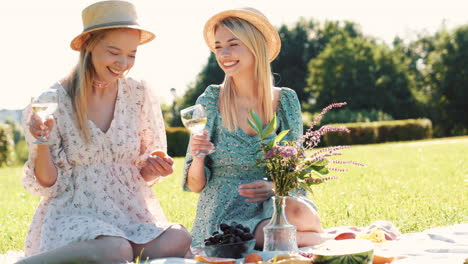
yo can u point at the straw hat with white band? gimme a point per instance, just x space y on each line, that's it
106 15
254 17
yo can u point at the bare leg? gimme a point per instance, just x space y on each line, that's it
104 249
174 242
258 234
302 215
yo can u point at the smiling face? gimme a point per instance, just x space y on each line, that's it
115 54
232 55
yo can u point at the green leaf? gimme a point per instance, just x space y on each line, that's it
321 169
270 144
306 187
320 163
256 118
270 128
279 137
304 172
252 125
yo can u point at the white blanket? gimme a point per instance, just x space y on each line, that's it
441 245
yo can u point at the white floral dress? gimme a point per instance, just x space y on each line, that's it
99 188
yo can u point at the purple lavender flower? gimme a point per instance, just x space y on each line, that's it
287 151
324 111
273 151
312 137
347 162
284 151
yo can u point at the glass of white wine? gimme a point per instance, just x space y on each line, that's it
194 118
44 106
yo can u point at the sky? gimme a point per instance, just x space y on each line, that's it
35 35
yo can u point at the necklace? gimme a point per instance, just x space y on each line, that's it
100 84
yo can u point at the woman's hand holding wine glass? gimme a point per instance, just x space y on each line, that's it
194 118
41 122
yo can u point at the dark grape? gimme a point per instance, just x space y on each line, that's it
229 230
223 227
237 231
244 237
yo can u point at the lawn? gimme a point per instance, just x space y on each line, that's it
416 185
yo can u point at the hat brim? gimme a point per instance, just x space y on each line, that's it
270 34
77 43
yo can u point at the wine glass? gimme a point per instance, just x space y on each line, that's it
194 118
44 105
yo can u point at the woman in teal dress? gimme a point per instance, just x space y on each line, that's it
232 187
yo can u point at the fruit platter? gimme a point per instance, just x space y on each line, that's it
235 244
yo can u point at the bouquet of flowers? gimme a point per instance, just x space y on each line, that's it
288 163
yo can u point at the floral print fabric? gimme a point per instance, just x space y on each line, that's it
99 189
233 164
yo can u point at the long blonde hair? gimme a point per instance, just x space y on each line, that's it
79 83
254 40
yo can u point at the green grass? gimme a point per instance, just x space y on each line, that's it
416 185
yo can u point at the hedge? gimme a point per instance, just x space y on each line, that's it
177 141
7 146
378 132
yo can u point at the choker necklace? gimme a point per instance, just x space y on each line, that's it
99 84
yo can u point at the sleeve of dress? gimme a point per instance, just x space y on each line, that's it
59 158
291 118
152 129
209 100
290 114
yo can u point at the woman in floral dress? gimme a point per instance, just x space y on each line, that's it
95 179
232 187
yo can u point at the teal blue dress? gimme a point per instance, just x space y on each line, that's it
233 164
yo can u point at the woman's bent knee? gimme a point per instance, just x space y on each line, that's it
180 241
117 249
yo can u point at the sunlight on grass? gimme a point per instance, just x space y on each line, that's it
415 185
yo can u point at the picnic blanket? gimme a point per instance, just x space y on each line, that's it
441 245
445 245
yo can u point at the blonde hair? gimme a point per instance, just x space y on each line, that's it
254 40
79 83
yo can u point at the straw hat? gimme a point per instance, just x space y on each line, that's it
254 17
109 14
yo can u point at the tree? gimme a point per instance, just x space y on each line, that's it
447 81
362 73
290 67
300 43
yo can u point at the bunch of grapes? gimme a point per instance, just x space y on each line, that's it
233 236
229 234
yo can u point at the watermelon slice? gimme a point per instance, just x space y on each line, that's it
349 251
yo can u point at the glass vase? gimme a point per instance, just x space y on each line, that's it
279 234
